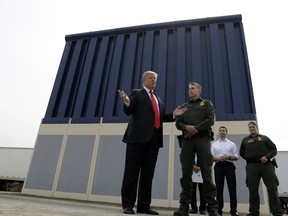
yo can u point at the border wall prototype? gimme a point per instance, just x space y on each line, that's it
78 152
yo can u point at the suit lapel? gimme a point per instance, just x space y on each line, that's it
147 97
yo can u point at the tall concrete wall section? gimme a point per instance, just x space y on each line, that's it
281 159
14 163
78 151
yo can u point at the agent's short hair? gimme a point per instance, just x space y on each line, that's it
223 127
196 84
253 123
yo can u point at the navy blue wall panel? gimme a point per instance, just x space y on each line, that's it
210 51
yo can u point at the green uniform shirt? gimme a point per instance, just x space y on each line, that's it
253 148
200 113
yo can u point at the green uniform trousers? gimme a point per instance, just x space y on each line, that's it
254 172
199 145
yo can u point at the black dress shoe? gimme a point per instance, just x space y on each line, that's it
147 211
214 212
193 211
128 211
181 212
203 212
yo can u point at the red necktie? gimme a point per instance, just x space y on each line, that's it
156 111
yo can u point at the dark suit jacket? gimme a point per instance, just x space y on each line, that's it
141 125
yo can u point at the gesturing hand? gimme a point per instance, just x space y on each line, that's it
123 96
179 111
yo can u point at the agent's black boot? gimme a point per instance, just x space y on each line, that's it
182 211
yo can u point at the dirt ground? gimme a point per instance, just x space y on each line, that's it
17 204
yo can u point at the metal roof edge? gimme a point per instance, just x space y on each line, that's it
146 27
16 147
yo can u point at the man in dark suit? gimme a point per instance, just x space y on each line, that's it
144 137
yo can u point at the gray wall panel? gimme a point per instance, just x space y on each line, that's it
44 162
160 181
109 167
177 170
76 164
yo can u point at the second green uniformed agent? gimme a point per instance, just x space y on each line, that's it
257 150
195 125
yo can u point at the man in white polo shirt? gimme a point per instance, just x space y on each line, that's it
224 153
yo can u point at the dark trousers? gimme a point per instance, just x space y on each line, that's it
202 206
226 170
201 146
139 170
254 172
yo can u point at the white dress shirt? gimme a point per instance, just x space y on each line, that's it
224 147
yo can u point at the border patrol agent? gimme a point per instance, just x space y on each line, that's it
258 150
195 125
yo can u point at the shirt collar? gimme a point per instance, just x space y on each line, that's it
223 139
147 90
197 100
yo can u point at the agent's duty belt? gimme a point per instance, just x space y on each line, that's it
255 161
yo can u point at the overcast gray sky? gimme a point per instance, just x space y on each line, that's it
32 39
